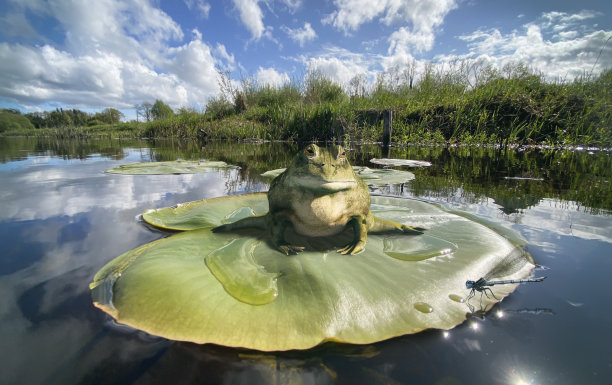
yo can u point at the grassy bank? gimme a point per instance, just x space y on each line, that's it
518 107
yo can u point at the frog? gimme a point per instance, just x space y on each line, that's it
319 195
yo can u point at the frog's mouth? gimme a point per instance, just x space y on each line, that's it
338 185
325 186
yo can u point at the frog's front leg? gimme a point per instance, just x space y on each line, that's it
360 231
276 224
380 225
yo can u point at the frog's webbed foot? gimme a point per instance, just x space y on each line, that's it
412 229
380 225
353 247
290 249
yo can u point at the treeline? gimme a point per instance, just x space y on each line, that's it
14 120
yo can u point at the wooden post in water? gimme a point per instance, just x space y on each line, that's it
387 123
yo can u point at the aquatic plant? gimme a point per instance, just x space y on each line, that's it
235 289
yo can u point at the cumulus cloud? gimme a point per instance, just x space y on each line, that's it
301 35
251 16
114 54
271 77
423 17
341 65
556 44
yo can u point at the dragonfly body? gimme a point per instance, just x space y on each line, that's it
482 285
478 285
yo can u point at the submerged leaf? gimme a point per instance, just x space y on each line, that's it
235 289
372 176
169 168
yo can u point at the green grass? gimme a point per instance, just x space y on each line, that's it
443 107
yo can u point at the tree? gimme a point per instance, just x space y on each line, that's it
358 85
144 110
161 110
37 119
113 116
58 118
107 115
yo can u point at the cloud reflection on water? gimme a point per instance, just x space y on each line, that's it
62 221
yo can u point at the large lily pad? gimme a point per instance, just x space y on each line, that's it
170 167
234 289
372 176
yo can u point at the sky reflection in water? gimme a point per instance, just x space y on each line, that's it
64 218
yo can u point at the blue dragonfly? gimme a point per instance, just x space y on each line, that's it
512 263
482 285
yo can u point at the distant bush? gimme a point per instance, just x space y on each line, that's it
13 120
95 122
219 107
320 89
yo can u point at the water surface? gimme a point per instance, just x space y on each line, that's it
62 218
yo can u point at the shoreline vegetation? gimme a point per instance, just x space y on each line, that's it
459 105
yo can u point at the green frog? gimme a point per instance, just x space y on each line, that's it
319 195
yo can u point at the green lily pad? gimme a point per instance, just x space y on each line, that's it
234 289
206 213
169 168
400 162
372 176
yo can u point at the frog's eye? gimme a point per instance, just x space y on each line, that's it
342 154
309 151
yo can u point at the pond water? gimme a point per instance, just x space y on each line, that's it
62 218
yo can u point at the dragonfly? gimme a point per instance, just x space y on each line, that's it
512 263
482 285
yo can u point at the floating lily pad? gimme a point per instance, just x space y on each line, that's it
206 213
168 168
400 162
372 176
234 289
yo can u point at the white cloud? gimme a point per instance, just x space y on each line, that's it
271 77
292 5
351 14
114 55
251 16
340 65
422 17
554 45
563 20
301 35
401 40
201 6
222 53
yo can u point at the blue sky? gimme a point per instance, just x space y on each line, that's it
96 54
